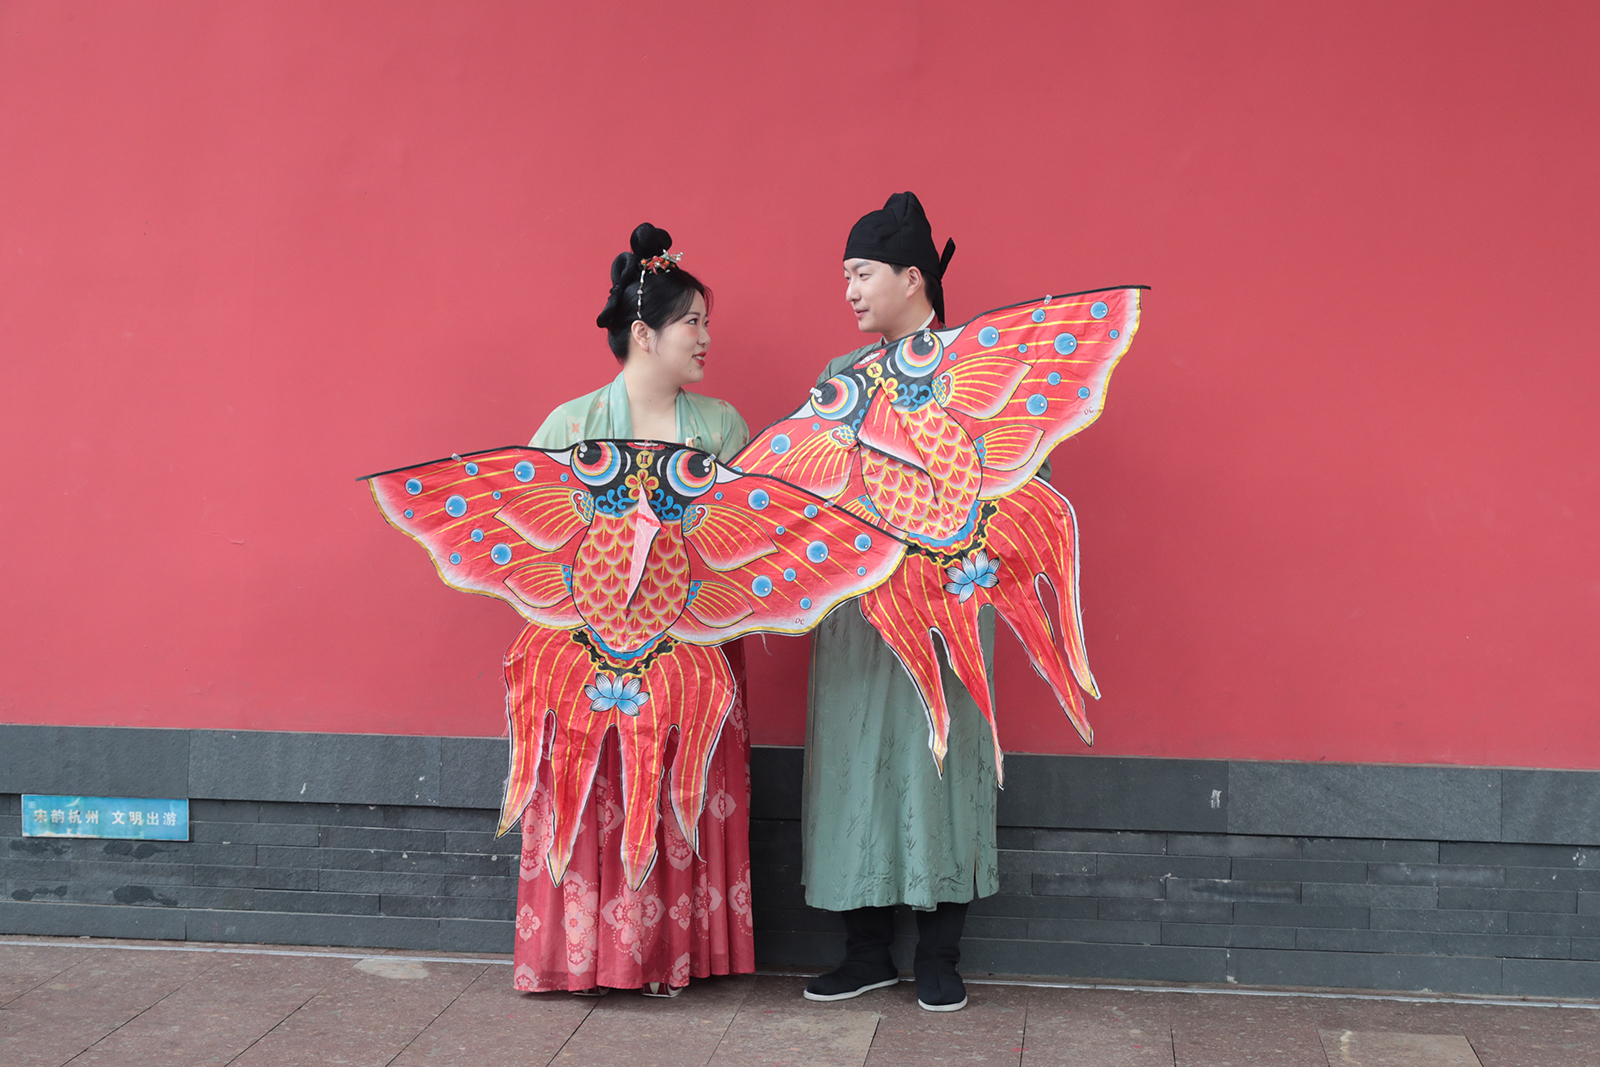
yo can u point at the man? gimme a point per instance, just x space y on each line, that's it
880 827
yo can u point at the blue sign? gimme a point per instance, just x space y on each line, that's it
160 820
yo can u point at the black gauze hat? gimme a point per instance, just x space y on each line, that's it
899 234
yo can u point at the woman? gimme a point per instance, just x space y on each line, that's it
692 915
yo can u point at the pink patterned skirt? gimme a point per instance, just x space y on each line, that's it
690 919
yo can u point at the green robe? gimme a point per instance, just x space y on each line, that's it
878 824
704 422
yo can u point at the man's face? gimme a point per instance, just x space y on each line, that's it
883 301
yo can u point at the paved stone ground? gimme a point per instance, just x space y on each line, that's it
131 1004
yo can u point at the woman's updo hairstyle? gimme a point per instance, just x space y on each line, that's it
668 290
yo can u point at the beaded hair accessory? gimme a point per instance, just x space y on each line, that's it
655 265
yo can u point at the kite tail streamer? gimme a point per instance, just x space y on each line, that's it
526 719
908 611
558 692
1030 537
1036 525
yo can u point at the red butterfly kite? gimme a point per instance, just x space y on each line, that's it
936 439
631 561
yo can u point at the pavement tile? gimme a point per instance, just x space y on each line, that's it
1349 1048
1097 1028
493 1025
77 1007
216 1015
1534 1037
794 1037
627 1029
362 1018
191 1009
22 967
1224 1031
989 1030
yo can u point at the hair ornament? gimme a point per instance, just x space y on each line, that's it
665 261
655 265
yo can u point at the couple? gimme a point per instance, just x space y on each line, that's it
880 827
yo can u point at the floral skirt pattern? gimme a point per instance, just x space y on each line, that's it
691 918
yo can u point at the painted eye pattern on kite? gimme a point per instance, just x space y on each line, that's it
690 472
836 398
597 463
918 354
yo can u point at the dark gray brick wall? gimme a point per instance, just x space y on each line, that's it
1067 909
1463 879
277 871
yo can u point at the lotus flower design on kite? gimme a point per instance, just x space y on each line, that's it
631 562
974 572
936 438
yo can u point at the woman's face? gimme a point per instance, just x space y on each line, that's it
678 349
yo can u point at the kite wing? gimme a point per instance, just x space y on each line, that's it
1016 381
500 523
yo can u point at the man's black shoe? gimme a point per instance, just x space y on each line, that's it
939 987
852 979
867 964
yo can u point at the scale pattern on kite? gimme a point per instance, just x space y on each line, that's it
937 438
626 557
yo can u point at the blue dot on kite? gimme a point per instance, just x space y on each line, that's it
477 535
863 542
759 499
816 552
524 472
455 557
788 574
861 571
1115 335
805 602
456 506
497 494
1065 343
1083 391
811 511
563 477
816 425
1037 404
1098 309
780 444
988 336
410 514
1022 348
782 530
501 554
472 468
1038 314
1053 378
761 586
413 486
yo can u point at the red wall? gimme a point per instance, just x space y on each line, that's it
1342 504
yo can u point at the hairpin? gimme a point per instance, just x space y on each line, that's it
655 264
